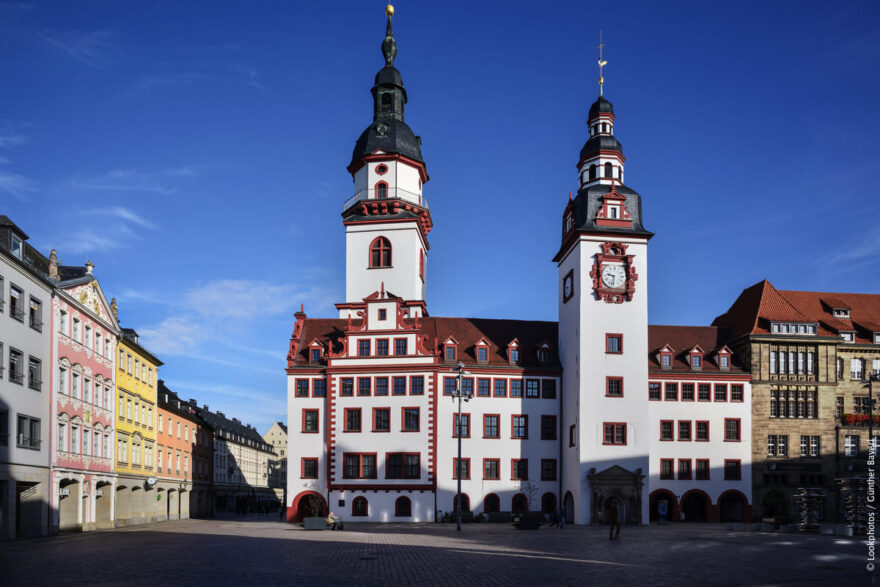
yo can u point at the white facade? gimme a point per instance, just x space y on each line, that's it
25 394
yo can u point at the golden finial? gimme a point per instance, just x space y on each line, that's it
389 10
602 63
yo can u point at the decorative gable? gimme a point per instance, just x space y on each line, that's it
723 357
450 349
664 356
481 350
695 358
613 210
513 352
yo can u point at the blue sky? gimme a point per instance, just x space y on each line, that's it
196 153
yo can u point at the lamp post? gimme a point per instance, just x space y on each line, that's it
459 395
871 379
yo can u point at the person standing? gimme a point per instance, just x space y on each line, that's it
612 513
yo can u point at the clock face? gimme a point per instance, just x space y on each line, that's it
568 286
613 276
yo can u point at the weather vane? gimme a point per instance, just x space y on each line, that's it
602 63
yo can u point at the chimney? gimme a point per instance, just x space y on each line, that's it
220 415
193 403
205 407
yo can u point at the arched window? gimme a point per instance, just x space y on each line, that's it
403 507
491 503
380 252
465 503
359 507
548 503
592 172
382 190
387 102
609 170
519 504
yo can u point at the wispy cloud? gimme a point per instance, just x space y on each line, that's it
191 73
122 214
10 139
11 183
92 48
854 254
133 180
249 405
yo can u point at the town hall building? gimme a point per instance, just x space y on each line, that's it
597 408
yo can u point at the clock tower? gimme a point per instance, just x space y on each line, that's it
603 334
387 219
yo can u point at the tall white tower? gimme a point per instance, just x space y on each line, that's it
387 220
603 335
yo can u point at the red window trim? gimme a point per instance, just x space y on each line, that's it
555 469
469 424
506 386
403 418
374 419
411 387
455 468
691 356
739 421
697 391
358 347
681 392
544 383
366 509
296 387
526 416
498 429
672 429
513 468
660 383
303 430
448 345
671 468
302 471
690 474
666 354
715 389
608 380
395 347
738 469
325 387
357 391
708 470
361 456
378 169
376 244
477 353
497 469
742 394
609 335
690 427
625 439
422 265
555 426
665 383
708 430
376 346
512 347
345 412
403 464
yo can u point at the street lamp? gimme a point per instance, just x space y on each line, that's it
871 378
466 397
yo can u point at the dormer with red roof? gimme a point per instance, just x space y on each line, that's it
695 358
723 357
664 356
481 351
450 350
513 352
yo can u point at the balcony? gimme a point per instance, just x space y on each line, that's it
391 194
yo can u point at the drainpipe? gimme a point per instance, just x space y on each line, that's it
837 471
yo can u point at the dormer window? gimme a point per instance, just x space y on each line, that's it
696 362
544 354
315 355
841 312
848 336
482 354
613 211
877 338
513 352
665 357
569 221
514 355
450 351
724 362
383 314
17 247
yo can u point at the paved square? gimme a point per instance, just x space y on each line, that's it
261 552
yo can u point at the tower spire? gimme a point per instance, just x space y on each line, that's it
389 45
602 62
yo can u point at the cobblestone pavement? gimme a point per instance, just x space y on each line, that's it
251 551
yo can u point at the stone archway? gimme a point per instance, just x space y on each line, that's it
616 484
660 495
519 504
307 504
465 503
68 505
734 507
695 506
103 505
491 503
568 504
548 503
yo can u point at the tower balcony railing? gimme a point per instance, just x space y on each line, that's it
389 194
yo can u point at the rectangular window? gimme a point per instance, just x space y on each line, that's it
666 360
35 373
359 466
532 388
671 392
35 315
805 445
782 445
514 355
684 429
490 426
319 388
482 354
410 417
399 346
315 355
703 430
501 388
548 427
461 468
467 387
614 433
302 388
516 388
16 367
310 421
771 445
736 392
461 425
519 427
490 468
381 419
666 430
814 446
702 471
732 429
364 347
394 466
382 347
684 469
851 445
704 392
352 419
399 386
16 303
548 388
687 392
483 387
653 391
347 389
519 469
363 386
614 386
28 433
696 361
720 392
666 469
548 469
450 385
381 386
732 470
309 468
417 385
572 436
614 344
450 352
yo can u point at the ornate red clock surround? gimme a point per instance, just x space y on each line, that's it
614 252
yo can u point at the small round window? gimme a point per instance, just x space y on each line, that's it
381 169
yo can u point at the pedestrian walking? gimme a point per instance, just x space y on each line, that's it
612 513
561 518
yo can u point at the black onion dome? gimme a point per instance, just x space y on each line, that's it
598 143
600 106
389 135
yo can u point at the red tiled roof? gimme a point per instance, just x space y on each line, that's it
466 331
684 338
762 303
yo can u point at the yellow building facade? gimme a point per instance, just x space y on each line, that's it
137 374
